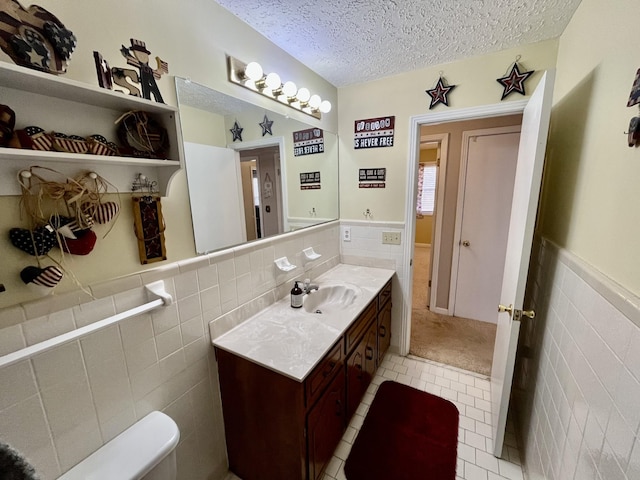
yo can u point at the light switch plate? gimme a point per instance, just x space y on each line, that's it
391 238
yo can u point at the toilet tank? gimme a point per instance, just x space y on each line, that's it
135 453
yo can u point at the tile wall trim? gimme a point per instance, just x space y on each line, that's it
18 313
624 300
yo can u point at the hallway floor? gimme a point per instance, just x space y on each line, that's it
456 341
469 391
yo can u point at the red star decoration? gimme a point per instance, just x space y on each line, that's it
514 82
439 93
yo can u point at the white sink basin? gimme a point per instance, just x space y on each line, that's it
330 298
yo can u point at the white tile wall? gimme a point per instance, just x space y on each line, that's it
59 406
579 375
366 248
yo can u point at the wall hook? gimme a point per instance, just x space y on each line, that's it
312 212
368 214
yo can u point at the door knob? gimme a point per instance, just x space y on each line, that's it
502 309
466 243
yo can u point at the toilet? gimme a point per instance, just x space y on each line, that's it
146 450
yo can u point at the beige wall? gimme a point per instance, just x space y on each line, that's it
590 200
404 96
193 37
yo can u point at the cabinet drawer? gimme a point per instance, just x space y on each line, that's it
324 372
385 295
357 329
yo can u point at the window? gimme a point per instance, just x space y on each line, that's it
426 188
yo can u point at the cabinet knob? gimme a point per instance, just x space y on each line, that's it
383 331
369 353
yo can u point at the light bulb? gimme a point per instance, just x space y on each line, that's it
303 95
254 71
325 106
315 101
273 81
289 89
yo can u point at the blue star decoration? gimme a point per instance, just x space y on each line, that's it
236 131
514 81
266 126
439 93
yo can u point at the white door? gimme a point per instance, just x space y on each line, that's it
533 140
486 189
215 195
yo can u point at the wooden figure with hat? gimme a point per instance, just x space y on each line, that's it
138 56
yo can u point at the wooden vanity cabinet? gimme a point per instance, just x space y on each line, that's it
278 428
384 321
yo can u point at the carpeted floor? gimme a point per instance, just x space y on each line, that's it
455 341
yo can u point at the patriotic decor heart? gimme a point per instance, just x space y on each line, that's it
69 143
82 245
98 145
37 242
102 212
46 277
41 280
34 138
65 226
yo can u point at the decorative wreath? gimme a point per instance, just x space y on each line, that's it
143 135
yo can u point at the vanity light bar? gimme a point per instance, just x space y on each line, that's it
251 76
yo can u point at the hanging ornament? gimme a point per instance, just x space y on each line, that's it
440 92
236 131
514 81
266 126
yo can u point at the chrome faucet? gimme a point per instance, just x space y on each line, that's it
308 286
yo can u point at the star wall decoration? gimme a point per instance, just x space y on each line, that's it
439 93
236 131
514 81
266 126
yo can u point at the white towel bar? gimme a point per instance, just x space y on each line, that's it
155 289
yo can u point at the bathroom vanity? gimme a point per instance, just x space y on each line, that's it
291 379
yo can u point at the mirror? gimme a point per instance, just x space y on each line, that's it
280 175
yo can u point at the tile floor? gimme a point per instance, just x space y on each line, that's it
469 391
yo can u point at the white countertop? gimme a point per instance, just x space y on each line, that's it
291 341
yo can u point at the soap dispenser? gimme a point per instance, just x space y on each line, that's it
296 296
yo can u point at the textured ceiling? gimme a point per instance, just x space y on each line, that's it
353 41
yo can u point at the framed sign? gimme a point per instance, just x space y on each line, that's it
308 142
372 178
374 132
310 181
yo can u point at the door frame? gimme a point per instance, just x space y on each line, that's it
462 185
263 143
434 262
417 121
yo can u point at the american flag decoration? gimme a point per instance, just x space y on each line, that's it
35 38
44 277
69 143
99 145
34 138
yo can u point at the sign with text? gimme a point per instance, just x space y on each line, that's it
308 142
310 181
372 177
374 132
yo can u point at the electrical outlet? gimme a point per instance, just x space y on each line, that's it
391 238
346 234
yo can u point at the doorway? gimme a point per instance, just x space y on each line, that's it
262 191
438 331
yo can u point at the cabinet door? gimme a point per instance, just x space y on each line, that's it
361 367
384 331
325 426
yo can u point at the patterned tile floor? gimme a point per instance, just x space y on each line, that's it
469 391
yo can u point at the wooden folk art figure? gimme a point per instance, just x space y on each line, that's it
149 228
137 56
